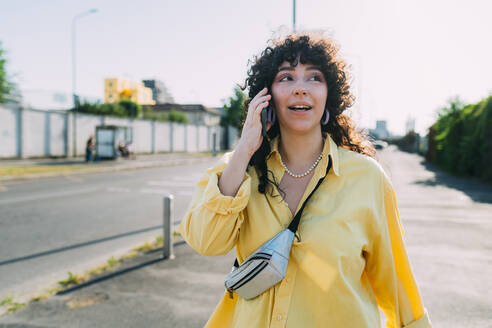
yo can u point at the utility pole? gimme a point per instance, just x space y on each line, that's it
294 15
74 78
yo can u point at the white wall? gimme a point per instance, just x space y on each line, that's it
8 132
142 136
162 137
202 138
36 133
191 139
58 130
33 133
178 137
108 120
218 133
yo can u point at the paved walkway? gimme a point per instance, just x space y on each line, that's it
183 292
171 293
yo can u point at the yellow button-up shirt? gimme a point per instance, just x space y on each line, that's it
349 260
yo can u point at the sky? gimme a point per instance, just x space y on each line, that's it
407 57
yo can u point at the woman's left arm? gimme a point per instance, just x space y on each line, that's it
389 270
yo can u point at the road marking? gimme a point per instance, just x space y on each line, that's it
193 178
167 183
155 191
47 196
73 179
118 189
409 218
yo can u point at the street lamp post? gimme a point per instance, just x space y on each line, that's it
74 77
294 15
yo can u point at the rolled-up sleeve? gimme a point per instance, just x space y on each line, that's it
389 270
212 221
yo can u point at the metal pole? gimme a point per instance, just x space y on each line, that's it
214 139
167 233
294 15
74 78
74 96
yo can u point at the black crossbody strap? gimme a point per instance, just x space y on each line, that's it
295 222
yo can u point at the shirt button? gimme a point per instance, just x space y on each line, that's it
279 317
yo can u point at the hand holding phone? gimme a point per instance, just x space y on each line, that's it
255 125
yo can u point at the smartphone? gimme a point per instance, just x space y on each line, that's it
264 119
264 122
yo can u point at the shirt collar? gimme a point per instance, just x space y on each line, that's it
330 148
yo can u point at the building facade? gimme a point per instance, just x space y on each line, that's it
160 93
381 131
116 89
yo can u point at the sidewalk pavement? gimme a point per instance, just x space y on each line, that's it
142 161
141 291
182 292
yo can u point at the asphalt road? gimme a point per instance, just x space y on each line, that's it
54 225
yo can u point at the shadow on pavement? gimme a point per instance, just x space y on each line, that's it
66 162
109 276
87 243
477 191
120 272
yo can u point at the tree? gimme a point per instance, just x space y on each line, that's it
124 108
178 117
6 87
172 116
132 109
234 114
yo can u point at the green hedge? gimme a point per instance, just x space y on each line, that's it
130 109
460 141
123 108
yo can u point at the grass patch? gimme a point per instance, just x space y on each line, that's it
7 301
74 279
17 171
144 247
11 305
159 241
112 262
16 307
150 246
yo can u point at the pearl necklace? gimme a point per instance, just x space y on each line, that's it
305 173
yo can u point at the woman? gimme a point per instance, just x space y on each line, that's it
349 257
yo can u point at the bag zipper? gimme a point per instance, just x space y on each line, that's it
249 277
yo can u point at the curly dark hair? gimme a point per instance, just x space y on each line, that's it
319 51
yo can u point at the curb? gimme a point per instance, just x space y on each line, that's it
150 164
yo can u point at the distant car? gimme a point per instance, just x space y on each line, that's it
380 144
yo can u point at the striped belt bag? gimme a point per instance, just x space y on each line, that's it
267 265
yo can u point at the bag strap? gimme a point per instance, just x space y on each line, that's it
294 224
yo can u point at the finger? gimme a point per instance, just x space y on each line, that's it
260 94
253 107
260 108
269 125
254 103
